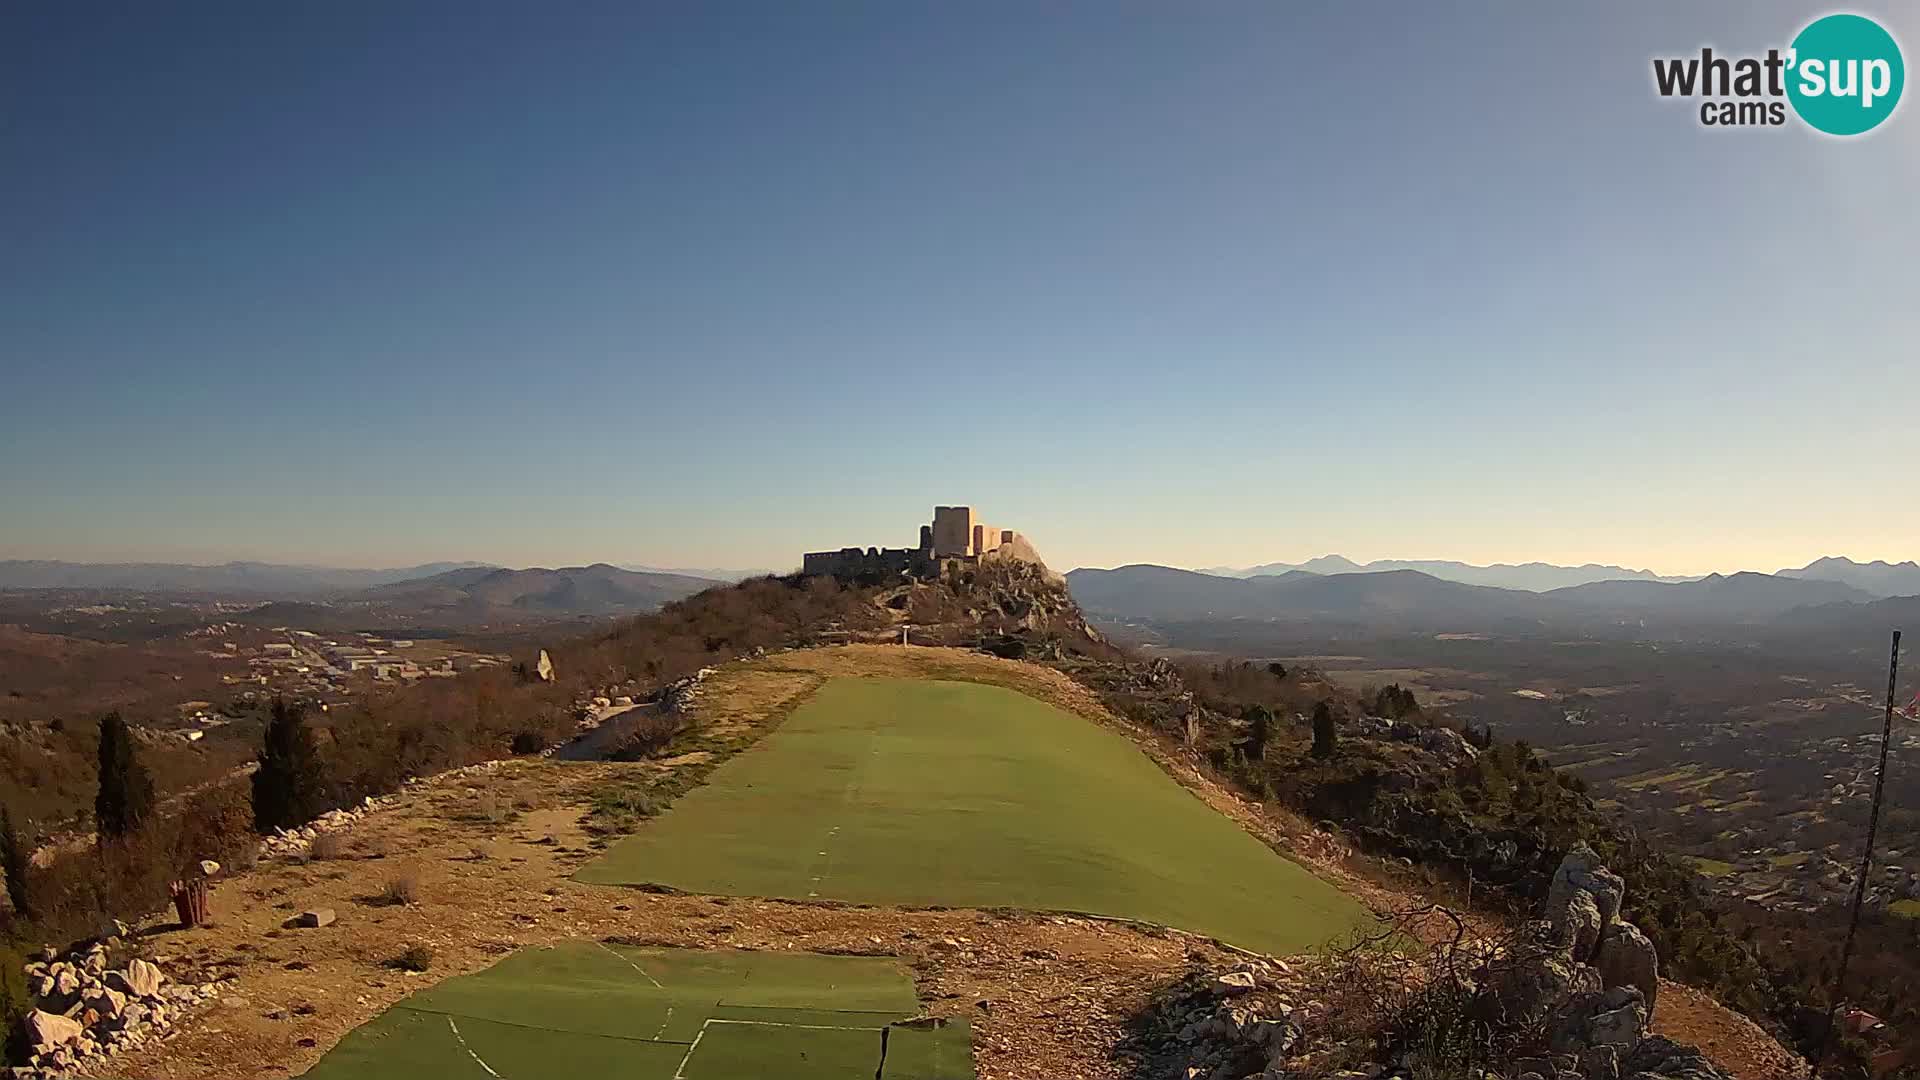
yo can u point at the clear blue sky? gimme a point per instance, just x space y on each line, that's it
377 283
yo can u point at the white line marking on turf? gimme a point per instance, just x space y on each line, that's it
681 1072
627 960
462 1040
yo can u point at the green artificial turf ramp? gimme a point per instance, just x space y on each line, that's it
942 1053
591 1010
732 1051
925 794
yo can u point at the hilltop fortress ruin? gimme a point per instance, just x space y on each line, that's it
956 538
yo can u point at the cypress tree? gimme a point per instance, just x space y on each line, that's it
1259 727
1324 737
13 863
125 800
288 788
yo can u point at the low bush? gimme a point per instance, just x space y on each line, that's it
414 958
619 807
402 887
489 809
327 847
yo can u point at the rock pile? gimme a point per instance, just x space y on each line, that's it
86 1009
679 695
297 841
1229 1025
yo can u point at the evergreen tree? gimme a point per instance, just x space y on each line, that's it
1393 703
1259 728
289 788
13 863
15 1002
1324 737
125 801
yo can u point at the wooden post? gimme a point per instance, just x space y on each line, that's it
190 901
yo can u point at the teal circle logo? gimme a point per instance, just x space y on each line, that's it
1845 74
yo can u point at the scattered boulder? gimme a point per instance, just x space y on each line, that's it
1448 744
47 1032
314 919
141 979
1233 984
105 1002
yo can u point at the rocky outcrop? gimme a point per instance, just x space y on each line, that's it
1594 986
1627 958
1447 744
1580 871
1617 949
1576 923
1565 1015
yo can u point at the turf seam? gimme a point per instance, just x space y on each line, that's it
535 1027
724 1004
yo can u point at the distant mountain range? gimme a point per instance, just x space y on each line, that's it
1414 600
458 592
711 573
234 578
477 592
1878 578
1533 576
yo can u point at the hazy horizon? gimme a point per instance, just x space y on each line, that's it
781 566
713 286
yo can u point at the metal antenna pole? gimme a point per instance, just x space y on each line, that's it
1866 860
